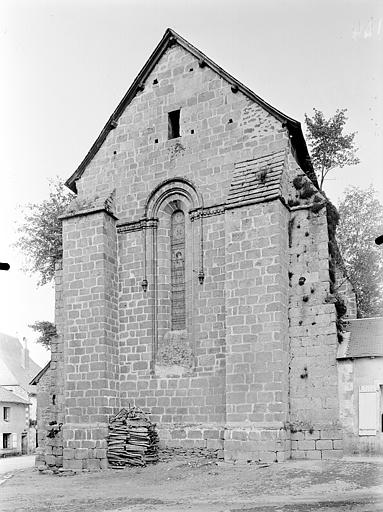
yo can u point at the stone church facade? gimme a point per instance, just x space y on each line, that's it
195 279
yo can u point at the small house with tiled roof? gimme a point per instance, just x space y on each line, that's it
196 280
17 397
360 364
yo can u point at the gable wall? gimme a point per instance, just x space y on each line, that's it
206 158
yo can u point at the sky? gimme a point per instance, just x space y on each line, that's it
66 64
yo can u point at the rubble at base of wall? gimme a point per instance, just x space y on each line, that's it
196 440
168 453
317 444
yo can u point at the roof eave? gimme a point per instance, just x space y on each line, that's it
36 378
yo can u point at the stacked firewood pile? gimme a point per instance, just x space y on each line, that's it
132 439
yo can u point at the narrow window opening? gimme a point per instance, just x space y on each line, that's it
192 131
6 413
54 399
173 124
155 141
7 440
177 247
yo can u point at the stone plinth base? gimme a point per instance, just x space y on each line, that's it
251 444
85 446
317 444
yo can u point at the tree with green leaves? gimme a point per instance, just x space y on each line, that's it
360 222
47 331
330 148
40 233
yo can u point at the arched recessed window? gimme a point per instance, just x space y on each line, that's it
177 250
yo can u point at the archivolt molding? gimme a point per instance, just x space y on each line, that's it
170 187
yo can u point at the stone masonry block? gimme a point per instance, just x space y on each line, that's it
337 444
313 454
100 453
211 434
239 435
194 434
312 435
297 436
214 444
298 454
92 464
331 434
332 454
324 444
178 434
73 464
68 453
306 445
104 464
81 453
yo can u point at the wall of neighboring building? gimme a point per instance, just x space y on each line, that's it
358 378
32 432
17 425
44 416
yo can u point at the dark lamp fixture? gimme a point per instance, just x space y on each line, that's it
144 284
201 276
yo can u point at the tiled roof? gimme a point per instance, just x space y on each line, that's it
257 180
365 338
10 397
11 356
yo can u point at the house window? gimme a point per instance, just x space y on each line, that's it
368 410
177 249
6 413
173 124
7 440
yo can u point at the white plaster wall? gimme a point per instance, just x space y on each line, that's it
351 375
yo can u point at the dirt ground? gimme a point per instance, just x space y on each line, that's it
199 486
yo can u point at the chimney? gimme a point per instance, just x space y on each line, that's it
25 355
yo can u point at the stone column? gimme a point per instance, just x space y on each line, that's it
90 290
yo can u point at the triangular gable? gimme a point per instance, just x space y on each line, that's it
170 38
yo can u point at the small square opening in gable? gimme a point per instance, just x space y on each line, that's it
174 124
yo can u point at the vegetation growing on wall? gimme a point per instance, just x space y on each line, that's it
47 331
